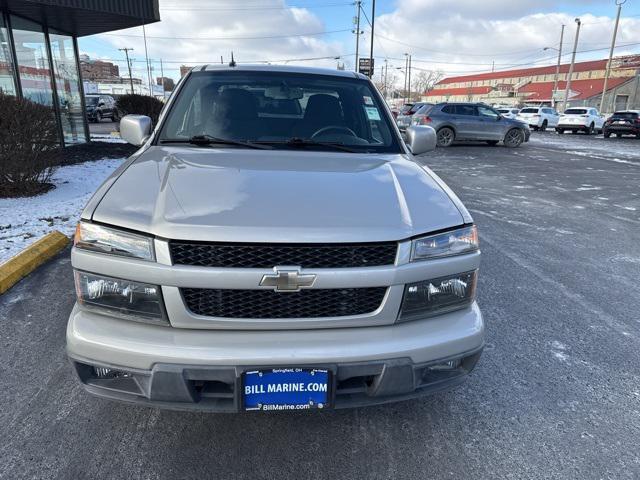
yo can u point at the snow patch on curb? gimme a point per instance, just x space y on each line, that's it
25 220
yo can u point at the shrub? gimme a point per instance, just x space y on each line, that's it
140 105
29 147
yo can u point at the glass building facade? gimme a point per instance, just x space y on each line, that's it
39 51
41 65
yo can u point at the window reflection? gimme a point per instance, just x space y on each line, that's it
33 61
65 70
6 65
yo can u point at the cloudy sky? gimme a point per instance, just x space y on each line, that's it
455 37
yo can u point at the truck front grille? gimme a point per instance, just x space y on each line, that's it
316 303
255 255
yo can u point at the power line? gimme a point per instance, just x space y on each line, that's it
326 32
245 8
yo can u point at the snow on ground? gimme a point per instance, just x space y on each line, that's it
618 150
107 138
25 220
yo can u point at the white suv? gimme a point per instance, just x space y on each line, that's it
587 120
508 112
539 118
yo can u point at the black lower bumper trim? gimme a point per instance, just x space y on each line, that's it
216 389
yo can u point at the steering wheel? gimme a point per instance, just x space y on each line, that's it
334 127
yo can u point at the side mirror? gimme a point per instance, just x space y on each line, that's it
135 129
421 139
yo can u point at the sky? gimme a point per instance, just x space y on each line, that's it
454 37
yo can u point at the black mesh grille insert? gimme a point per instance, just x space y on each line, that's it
318 303
237 255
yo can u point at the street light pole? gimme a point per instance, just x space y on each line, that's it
619 3
373 22
146 54
573 61
555 80
409 80
406 69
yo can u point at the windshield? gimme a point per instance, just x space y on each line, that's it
276 108
504 110
91 101
625 115
529 110
575 111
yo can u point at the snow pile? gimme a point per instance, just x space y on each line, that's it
25 220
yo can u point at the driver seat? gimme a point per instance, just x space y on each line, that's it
322 111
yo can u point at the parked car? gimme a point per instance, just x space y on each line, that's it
576 120
404 118
509 112
99 107
623 123
243 260
539 118
473 121
421 115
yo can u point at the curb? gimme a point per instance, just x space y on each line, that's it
21 265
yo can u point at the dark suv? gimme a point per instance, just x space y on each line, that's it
474 121
101 106
623 123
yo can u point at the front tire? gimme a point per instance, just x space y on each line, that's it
445 137
543 128
560 130
607 134
591 129
514 138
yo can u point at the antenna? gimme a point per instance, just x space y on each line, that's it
232 63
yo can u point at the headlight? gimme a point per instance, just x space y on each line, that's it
437 296
90 236
455 242
124 298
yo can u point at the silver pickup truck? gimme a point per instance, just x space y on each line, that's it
273 245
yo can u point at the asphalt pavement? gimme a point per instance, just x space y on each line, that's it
556 393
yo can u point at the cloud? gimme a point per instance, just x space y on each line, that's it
468 35
233 29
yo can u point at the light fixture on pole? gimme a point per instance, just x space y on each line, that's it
573 61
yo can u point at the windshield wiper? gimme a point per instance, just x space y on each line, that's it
205 140
306 142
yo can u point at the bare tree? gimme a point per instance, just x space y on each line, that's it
425 80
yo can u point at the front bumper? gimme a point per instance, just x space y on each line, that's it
201 369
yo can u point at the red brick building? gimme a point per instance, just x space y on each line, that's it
529 86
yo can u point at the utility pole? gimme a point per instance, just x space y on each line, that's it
406 71
409 80
573 61
146 54
357 32
373 21
619 3
493 66
555 80
386 72
164 94
126 52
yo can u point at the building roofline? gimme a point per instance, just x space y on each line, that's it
85 17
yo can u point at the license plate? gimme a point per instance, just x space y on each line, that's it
622 122
285 389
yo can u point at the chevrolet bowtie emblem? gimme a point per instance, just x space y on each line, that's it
287 279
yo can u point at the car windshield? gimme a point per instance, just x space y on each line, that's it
416 107
529 110
424 110
575 111
625 115
405 108
280 109
91 101
504 110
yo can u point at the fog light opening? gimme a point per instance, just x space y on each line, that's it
446 366
104 373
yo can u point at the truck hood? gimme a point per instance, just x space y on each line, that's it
242 195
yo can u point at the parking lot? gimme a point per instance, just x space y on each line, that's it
556 393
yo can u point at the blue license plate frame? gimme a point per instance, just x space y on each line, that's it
286 389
